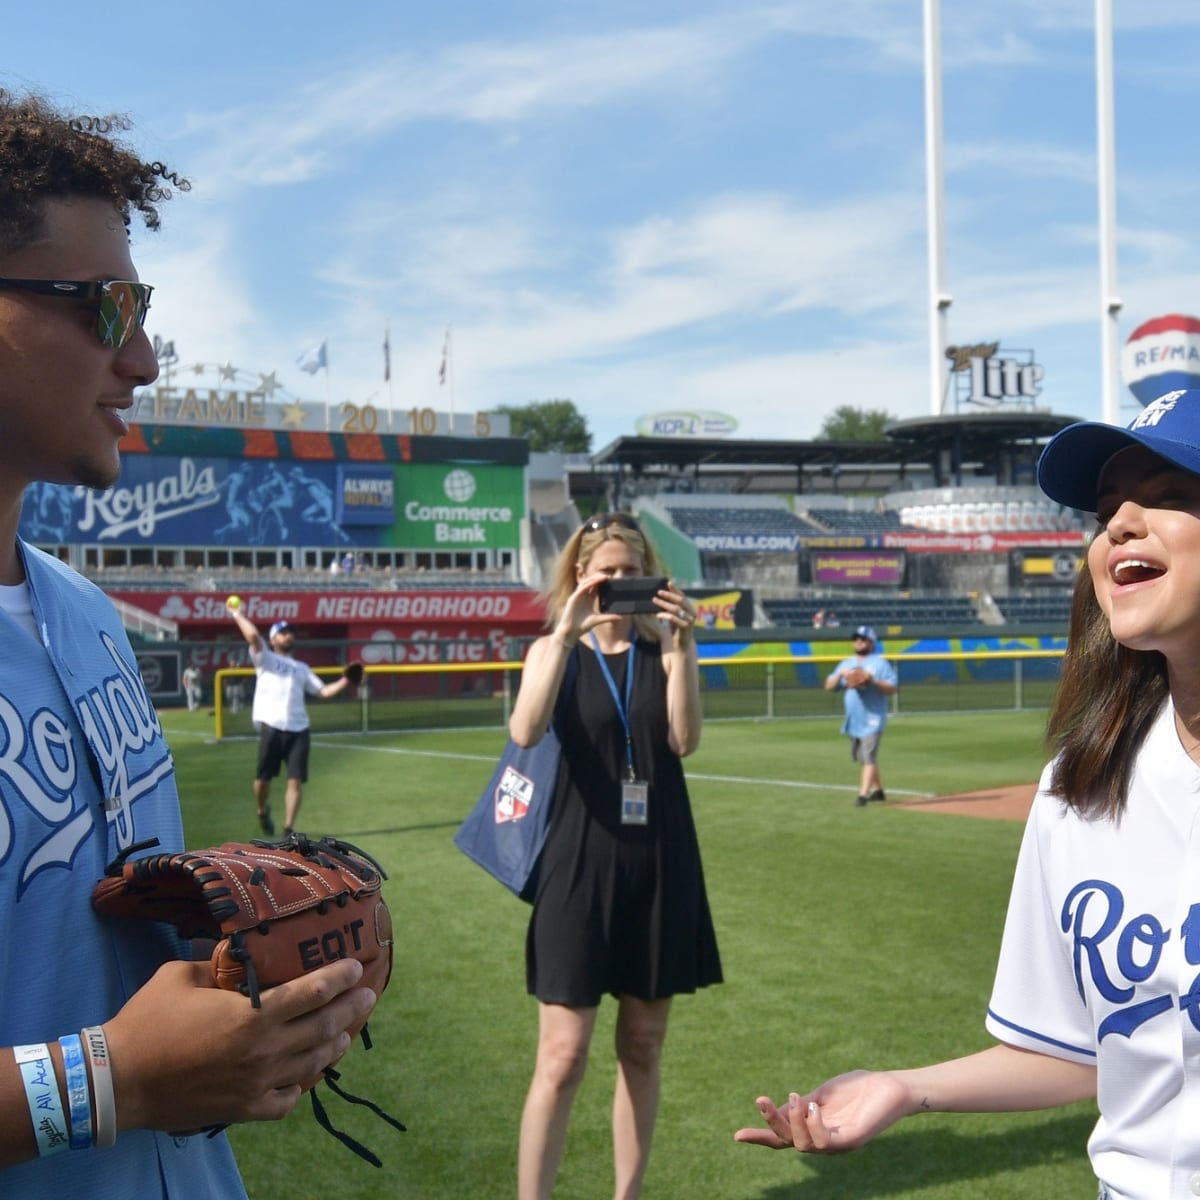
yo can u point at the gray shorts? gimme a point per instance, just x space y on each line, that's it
865 749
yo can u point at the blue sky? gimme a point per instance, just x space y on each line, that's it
640 206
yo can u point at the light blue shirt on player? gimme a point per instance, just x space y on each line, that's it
866 707
84 773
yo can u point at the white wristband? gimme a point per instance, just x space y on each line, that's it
50 1123
104 1100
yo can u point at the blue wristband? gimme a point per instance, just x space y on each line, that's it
78 1097
41 1093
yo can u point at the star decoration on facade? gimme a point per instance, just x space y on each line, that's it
292 416
199 368
228 371
269 385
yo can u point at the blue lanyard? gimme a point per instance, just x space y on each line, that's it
622 709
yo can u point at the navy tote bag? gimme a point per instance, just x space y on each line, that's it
507 828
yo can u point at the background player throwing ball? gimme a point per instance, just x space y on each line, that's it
279 713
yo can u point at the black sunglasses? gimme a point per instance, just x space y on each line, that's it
122 305
604 520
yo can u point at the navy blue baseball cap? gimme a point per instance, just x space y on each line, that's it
280 627
1069 469
865 631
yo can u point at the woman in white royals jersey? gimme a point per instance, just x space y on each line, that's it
1097 990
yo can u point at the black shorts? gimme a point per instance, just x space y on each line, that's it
279 746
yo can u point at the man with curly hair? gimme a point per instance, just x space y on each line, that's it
115 1050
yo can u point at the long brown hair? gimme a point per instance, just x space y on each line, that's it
1107 700
580 547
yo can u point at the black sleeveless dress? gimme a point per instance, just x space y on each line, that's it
619 908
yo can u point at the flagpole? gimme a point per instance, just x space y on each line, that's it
450 370
387 370
328 387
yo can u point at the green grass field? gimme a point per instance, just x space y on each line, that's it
850 937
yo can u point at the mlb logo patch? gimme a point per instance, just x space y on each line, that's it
514 795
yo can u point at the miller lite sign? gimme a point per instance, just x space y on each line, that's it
985 376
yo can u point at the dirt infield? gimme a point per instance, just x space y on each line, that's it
998 804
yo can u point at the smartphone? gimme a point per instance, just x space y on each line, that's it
634 595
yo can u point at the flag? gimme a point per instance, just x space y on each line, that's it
314 360
387 355
445 357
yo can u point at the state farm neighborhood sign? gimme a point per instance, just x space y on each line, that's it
344 608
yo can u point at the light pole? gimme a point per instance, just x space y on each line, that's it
1106 155
939 299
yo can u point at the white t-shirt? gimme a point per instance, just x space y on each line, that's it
279 690
1100 964
16 600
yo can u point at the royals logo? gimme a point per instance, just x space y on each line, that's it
44 762
1121 952
1155 411
145 506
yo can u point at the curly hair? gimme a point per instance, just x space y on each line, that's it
46 155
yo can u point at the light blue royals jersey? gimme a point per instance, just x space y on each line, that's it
84 773
866 708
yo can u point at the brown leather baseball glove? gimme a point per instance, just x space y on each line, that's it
275 909
856 677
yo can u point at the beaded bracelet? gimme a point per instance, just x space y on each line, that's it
42 1096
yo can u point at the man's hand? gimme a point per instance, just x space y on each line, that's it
187 1055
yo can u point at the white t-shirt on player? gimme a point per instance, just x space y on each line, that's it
279 690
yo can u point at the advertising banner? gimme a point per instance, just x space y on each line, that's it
162 499
864 567
366 494
448 507
723 610
979 543
1036 568
314 609
748 543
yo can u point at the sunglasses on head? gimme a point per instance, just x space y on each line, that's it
604 520
121 305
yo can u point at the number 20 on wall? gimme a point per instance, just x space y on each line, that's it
364 418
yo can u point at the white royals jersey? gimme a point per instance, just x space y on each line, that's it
279 690
1100 964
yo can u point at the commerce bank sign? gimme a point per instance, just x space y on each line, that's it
466 507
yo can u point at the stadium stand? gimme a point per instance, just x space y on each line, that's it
697 521
232 579
880 611
1052 607
836 520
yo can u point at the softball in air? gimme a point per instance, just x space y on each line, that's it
233 603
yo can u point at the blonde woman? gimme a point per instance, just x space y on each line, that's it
621 906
